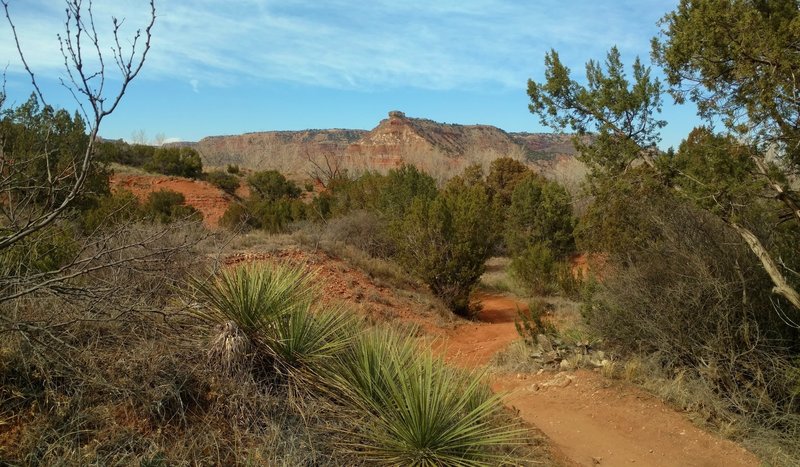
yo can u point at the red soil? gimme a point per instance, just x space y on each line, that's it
203 196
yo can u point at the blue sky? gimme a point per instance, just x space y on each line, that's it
233 66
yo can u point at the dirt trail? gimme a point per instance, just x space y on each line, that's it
474 344
590 419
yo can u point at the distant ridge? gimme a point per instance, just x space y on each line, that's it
443 149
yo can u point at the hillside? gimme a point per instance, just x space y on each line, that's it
287 151
442 149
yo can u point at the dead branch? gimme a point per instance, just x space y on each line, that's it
88 89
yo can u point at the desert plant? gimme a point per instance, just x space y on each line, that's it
504 175
420 412
235 217
180 161
531 323
363 230
166 206
446 242
121 206
306 339
253 296
40 253
569 281
534 269
692 295
271 185
272 306
224 181
540 212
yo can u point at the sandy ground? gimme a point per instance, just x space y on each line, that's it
592 420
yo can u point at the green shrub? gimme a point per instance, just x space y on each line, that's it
235 217
41 252
121 207
224 181
232 169
617 221
505 174
400 187
28 133
271 185
531 323
135 155
534 269
179 161
692 293
540 213
569 283
273 216
447 240
166 206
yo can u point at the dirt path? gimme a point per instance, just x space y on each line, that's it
474 344
590 419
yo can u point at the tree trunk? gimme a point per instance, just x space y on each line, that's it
782 287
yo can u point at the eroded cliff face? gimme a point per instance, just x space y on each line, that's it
287 151
440 148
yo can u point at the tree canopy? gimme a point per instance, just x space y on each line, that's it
739 61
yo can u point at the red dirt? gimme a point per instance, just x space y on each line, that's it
589 419
473 344
593 420
203 196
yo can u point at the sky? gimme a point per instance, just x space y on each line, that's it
221 67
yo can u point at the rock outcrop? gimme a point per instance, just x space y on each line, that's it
442 149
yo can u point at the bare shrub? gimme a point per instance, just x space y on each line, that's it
363 230
695 299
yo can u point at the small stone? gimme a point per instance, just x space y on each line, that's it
596 363
550 357
597 460
544 343
565 365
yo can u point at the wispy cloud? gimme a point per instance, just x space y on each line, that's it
379 44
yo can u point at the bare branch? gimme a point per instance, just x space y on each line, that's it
76 30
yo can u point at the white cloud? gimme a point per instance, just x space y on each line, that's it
445 44
195 84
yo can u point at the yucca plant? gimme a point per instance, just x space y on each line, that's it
254 295
306 338
272 306
362 369
420 412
